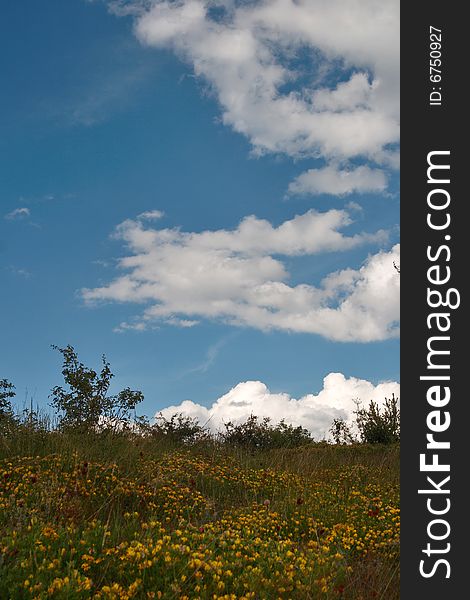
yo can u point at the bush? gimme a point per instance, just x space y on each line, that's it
379 426
86 405
253 434
374 425
259 434
179 429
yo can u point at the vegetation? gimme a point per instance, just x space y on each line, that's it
7 415
105 505
85 404
379 426
374 425
260 434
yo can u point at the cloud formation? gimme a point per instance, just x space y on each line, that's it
306 78
315 412
340 182
238 277
247 55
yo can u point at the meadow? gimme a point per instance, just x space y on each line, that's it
112 516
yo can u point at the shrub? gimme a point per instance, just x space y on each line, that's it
179 428
379 426
374 425
260 434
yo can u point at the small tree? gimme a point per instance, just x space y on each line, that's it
379 426
341 432
373 425
7 392
86 405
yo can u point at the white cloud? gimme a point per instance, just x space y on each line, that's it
151 215
177 322
123 327
354 93
339 102
18 213
315 412
239 277
333 180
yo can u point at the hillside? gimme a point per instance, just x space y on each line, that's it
112 517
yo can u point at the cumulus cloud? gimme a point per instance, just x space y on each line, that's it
315 412
333 180
341 100
239 277
18 213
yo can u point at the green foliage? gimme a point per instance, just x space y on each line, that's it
374 425
379 426
341 432
253 434
8 419
7 392
86 404
257 434
179 429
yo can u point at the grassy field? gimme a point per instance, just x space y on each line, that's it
108 517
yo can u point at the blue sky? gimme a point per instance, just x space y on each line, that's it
107 116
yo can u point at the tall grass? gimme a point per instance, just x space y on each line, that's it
117 515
